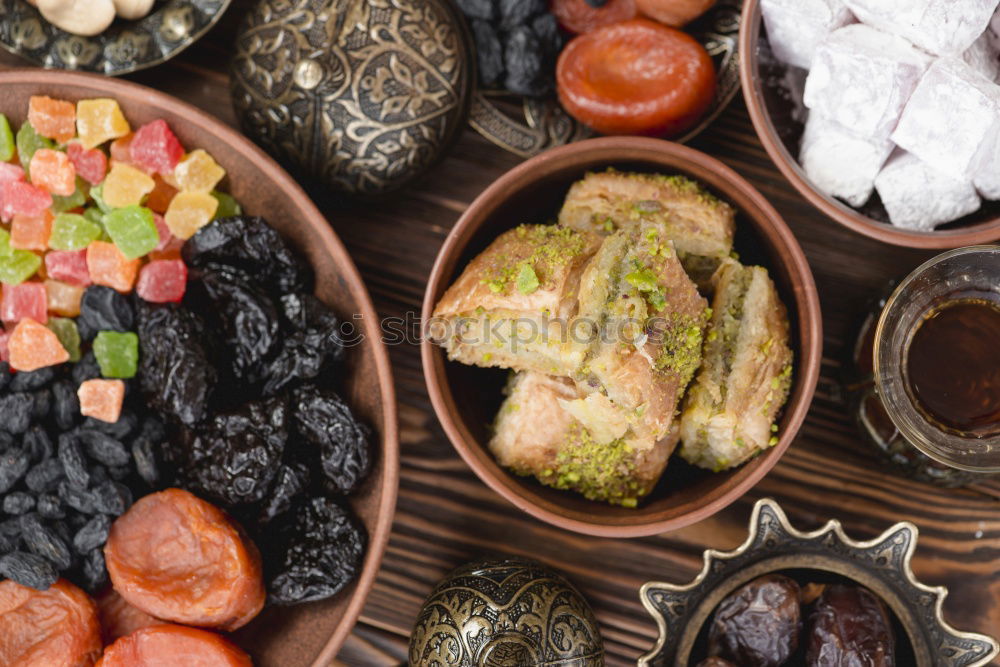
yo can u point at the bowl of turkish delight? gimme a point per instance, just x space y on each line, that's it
884 114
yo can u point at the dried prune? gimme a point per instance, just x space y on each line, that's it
73 462
317 552
104 309
18 502
251 245
93 534
849 625
243 317
13 464
15 412
289 482
32 380
324 420
234 457
44 542
175 374
28 569
44 476
103 448
758 624
489 53
65 405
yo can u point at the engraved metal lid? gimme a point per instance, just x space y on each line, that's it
362 95
506 612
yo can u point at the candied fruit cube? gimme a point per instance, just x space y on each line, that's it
6 139
159 199
52 170
28 141
55 119
98 120
197 172
75 200
117 354
4 350
125 185
101 399
228 206
91 164
97 194
31 232
33 345
72 231
133 230
24 300
109 267
162 231
62 298
121 149
162 281
68 335
189 212
20 198
10 172
68 266
16 266
155 148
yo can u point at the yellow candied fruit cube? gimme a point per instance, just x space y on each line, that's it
63 299
196 172
188 212
99 120
125 185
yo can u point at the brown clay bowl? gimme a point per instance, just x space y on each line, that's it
771 112
308 634
466 398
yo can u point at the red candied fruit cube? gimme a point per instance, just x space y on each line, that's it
69 266
121 149
31 232
162 281
53 171
161 228
24 300
4 351
155 148
55 119
20 198
10 172
33 345
91 164
109 267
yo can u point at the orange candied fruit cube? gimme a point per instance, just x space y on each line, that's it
125 185
159 199
102 399
109 267
121 148
63 299
188 212
31 232
196 172
98 120
55 119
52 171
33 346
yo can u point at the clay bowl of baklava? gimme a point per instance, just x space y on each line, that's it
621 336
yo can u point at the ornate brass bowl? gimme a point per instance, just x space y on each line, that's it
882 565
124 47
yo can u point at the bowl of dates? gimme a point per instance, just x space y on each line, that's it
787 597
210 351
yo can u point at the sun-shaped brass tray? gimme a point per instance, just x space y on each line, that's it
881 564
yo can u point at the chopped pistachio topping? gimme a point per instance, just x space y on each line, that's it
550 247
599 471
681 350
527 280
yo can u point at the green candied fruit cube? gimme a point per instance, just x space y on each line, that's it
6 140
18 265
5 249
228 206
95 215
72 231
97 194
28 141
133 230
75 200
67 333
117 354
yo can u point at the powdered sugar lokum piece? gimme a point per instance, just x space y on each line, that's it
918 196
943 27
983 56
862 78
795 27
839 162
949 116
987 176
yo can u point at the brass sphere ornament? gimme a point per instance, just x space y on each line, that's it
507 612
360 95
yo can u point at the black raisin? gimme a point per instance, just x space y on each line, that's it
290 481
7 441
28 569
119 473
104 309
317 552
5 375
18 502
44 476
144 453
49 506
103 448
514 13
489 54
94 573
98 474
85 369
236 455
15 412
44 542
526 74
111 498
74 465
65 404
324 420
31 380
38 443
79 499
546 28
13 464
92 535
175 373
152 429
41 404
478 9
127 423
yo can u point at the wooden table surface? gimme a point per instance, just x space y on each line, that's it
446 516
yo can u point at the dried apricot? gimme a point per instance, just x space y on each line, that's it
52 628
580 16
162 645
